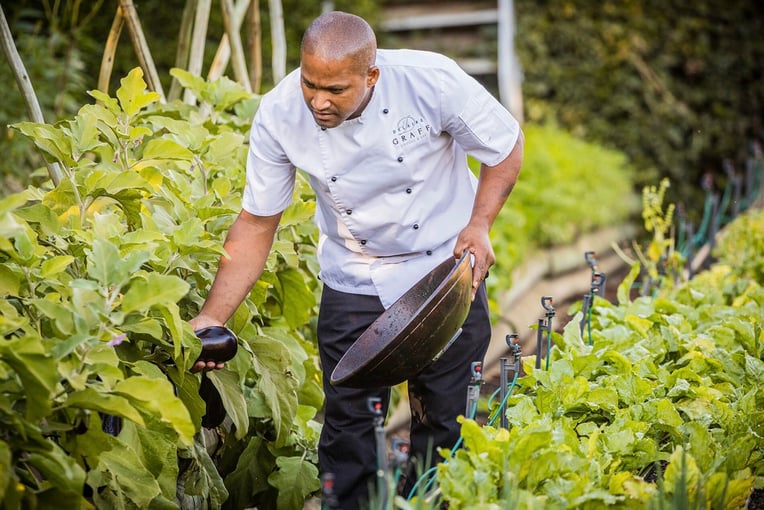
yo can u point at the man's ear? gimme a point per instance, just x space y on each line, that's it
372 75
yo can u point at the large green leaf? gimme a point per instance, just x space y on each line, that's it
36 369
297 300
157 396
250 477
295 478
160 148
157 451
50 139
10 281
90 398
229 388
121 469
58 468
132 93
276 385
149 289
108 267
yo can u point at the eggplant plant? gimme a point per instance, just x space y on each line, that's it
98 276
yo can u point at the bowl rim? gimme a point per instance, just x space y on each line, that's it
420 315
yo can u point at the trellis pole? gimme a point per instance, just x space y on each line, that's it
279 40
232 21
110 49
25 86
141 47
196 57
184 47
226 50
255 45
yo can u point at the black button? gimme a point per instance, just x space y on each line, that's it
349 211
416 226
400 159
429 252
323 128
334 178
385 111
408 190
363 241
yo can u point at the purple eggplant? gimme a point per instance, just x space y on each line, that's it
219 344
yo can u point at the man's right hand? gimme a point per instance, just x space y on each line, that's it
200 322
247 246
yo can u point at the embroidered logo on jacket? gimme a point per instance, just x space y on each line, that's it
410 130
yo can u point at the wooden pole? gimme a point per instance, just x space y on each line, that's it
110 49
25 86
223 53
278 37
184 47
198 39
255 45
141 47
232 22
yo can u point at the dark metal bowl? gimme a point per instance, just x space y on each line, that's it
413 332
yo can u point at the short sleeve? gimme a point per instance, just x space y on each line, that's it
270 174
476 120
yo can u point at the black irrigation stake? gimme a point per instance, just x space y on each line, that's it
375 406
473 389
591 258
400 456
539 342
513 343
546 303
600 277
596 288
328 497
586 304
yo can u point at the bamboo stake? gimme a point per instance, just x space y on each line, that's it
255 45
184 47
196 58
232 24
141 47
223 53
25 86
279 40
110 49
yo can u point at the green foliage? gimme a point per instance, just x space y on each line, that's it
741 245
671 380
567 187
54 54
97 278
61 45
662 264
675 85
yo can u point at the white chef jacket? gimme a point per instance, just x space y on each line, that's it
393 188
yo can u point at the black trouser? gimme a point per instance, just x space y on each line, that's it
437 395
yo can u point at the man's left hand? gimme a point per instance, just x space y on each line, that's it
476 241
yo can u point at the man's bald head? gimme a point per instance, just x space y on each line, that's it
336 36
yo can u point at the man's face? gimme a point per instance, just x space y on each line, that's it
335 90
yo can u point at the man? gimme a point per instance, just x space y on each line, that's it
383 137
